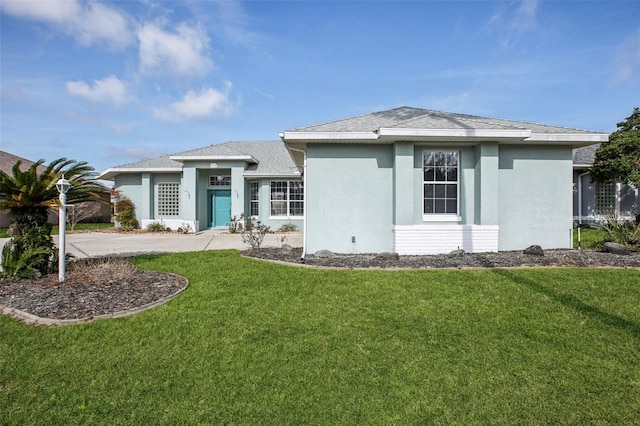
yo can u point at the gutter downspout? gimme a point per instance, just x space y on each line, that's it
304 200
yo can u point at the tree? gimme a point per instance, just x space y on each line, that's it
619 159
28 194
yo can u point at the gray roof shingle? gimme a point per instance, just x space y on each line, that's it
417 118
272 157
584 156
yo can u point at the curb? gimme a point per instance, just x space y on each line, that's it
35 320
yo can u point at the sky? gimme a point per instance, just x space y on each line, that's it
113 82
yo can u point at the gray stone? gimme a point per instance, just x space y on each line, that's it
324 254
615 248
286 248
457 253
534 250
387 256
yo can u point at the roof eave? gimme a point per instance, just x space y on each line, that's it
111 173
295 136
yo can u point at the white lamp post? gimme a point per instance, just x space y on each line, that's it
63 186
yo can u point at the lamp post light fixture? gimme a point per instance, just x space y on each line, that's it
63 186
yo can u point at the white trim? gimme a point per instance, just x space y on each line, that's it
444 238
106 175
452 218
587 138
289 136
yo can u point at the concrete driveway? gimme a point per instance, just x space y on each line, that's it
89 244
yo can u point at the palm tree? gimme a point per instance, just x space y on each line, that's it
28 194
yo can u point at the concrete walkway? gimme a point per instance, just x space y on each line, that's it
89 244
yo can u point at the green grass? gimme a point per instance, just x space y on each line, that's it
56 229
590 238
257 343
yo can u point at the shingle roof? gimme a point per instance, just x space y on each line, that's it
7 161
272 158
417 118
584 156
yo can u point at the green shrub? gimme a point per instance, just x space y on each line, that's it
156 227
625 232
125 213
30 254
288 227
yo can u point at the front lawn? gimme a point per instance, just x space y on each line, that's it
258 343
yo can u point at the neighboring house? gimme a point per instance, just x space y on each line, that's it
415 181
406 180
593 202
91 211
7 161
205 188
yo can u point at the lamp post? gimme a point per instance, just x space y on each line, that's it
63 186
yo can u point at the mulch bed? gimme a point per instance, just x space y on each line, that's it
506 259
91 288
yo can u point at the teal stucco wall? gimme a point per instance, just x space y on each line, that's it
535 196
350 195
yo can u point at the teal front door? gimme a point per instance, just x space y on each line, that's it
219 208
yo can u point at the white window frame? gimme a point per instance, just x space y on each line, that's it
254 198
220 181
168 199
609 190
441 217
286 199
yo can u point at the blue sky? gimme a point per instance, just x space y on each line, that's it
120 81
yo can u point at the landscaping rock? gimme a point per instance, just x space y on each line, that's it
534 250
457 253
387 256
286 248
615 248
324 254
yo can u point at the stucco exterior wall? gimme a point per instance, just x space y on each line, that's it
130 185
351 188
535 197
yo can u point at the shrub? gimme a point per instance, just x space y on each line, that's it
625 232
288 227
254 232
185 228
236 224
30 254
156 227
125 213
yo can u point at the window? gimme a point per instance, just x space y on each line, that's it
605 198
440 183
287 198
168 199
253 200
219 180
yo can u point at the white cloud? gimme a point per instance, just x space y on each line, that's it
108 90
88 22
515 22
184 52
628 60
206 103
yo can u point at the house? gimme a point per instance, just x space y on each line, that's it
416 181
405 180
92 211
593 202
206 187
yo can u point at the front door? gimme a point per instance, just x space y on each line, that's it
219 207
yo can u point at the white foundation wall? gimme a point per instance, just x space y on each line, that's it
438 239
